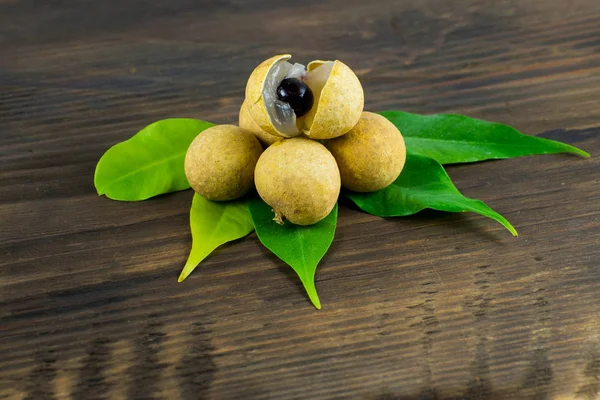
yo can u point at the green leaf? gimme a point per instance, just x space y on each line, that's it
449 138
213 224
422 184
150 163
301 247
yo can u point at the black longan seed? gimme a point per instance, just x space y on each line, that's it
297 94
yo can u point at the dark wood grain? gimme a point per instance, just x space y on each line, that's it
431 306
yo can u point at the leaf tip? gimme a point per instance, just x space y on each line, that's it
312 295
316 302
505 223
311 290
183 275
584 154
577 151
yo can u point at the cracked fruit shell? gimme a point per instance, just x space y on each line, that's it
336 97
247 122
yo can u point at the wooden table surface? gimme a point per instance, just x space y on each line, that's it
436 305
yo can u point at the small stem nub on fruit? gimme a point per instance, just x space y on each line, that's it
278 218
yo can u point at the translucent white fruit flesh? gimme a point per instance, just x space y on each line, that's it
282 115
296 71
316 79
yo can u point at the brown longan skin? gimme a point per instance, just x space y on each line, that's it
339 104
299 179
219 164
371 155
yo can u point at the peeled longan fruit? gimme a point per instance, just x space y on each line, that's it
247 122
219 164
299 179
371 155
322 101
